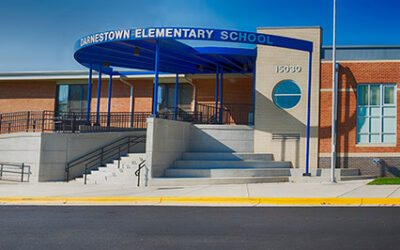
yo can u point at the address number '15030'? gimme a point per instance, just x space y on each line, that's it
288 68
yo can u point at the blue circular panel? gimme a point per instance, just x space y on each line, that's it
286 94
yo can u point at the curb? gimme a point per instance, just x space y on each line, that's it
199 200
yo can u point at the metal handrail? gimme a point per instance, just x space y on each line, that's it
21 166
137 172
101 155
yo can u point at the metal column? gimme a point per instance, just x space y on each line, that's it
89 95
98 98
307 173
254 94
216 93
221 93
155 101
176 97
109 100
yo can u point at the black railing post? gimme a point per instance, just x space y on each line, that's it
67 170
27 121
1 118
43 121
22 172
1 171
73 123
85 179
119 155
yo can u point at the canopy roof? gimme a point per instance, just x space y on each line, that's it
174 57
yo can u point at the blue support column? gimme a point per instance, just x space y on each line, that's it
155 101
109 100
221 94
176 96
98 98
216 94
89 95
254 94
307 173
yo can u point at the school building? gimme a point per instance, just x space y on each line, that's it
153 110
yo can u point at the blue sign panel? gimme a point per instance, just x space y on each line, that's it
195 34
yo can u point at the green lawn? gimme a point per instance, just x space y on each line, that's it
385 181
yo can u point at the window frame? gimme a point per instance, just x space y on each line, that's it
83 98
369 116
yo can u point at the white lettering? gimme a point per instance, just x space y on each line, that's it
137 33
252 38
168 32
201 34
177 33
118 34
243 37
209 33
261 39
127 34
160 32
106 36
192 33
224 35
111 35
185 31
233 36
151 32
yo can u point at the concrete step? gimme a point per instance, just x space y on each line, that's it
357 177
169 181
227 172
231 164
212 156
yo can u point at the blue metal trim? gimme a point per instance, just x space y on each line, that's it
221 93
254 93
156 62
190 33
89 95
109 101
98 98
176 96
308 114
216 93
226 51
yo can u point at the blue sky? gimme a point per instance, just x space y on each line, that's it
39 35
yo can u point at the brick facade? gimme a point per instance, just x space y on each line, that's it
351 74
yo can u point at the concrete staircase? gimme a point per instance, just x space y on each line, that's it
112 173
203 168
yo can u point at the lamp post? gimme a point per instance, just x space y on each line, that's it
334 98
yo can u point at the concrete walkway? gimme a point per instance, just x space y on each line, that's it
349 189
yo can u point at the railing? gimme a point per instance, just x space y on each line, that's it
15 168
230 114
137 172
50 121
102 155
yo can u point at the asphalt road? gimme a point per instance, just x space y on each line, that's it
111 227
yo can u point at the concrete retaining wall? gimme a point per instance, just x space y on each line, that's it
166 141
48 153
221 138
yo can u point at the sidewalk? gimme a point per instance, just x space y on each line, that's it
342 193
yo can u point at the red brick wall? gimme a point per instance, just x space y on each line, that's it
350 75
27 95
236 90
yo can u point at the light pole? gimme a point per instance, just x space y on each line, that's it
334 98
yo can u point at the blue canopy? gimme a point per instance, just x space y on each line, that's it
174 57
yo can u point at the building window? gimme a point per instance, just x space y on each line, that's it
166 97
286 94
376 113
71 98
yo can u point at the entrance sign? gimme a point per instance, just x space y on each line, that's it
195 34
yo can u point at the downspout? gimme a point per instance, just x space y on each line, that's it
130 100
193 104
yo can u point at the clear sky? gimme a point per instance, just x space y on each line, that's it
39 35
